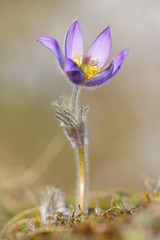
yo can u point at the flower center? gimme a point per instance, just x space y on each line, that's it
89 65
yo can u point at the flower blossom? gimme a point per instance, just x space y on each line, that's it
87 70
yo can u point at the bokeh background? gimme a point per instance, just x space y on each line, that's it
124 116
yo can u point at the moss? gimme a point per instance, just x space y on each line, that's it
127 218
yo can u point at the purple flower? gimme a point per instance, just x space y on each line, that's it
87 70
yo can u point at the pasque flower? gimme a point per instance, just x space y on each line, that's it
87 70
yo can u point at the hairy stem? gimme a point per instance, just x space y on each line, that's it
74 98
73 118
82 180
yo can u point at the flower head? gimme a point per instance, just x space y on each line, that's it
87 70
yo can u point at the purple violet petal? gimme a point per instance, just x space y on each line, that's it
73 41
101 47
53 45
118 60
75 74
101 77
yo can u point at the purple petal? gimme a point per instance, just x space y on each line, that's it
101 77
53 45
118 60
75 74
101 47
73 41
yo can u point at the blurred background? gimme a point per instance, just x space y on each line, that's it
124 116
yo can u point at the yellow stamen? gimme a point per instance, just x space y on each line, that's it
90 69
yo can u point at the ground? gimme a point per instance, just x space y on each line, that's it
122 217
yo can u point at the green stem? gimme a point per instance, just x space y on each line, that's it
82 179
82 164
74 98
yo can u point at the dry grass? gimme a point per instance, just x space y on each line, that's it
129 217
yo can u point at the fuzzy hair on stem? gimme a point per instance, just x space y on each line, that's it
73 122
53 202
